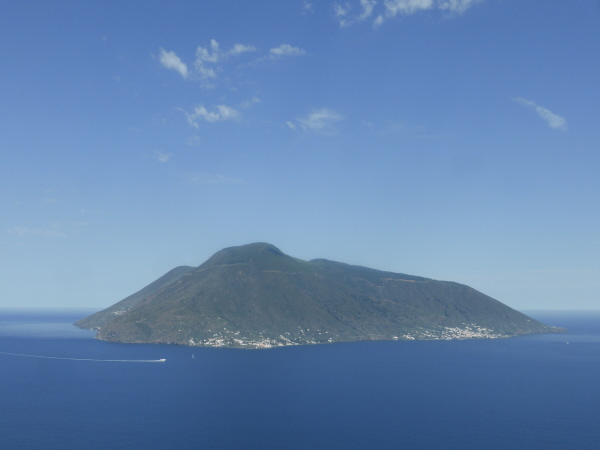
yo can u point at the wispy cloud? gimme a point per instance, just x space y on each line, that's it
193 141
341 13
321 120
554 120
210 60
249 103
162 157
308 7
206 61
367 6
213 54
203 71
456 6
171 61
345 19
238 49
219 114
345 13
205 55
395 7
286 50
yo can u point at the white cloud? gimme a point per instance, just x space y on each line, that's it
162 157
286 50
213 54
222 113
205 72
393 8
193 141
171 61
238 49
457 6
308 7
249 103
209 59
378 21
321 120
202 54
342 12
367 6
554 120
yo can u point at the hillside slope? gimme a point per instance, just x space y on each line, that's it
98 319
256 296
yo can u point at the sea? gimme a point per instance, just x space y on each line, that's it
60 388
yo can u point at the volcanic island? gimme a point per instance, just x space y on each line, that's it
255 296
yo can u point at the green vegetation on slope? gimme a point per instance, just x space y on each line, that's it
256 296
98 319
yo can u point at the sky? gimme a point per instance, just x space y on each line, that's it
451 139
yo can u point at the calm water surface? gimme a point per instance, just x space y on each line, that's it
531 392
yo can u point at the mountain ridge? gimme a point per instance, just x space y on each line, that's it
256 296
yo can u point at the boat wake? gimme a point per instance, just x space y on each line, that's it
87 359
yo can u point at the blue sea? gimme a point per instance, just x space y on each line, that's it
529 392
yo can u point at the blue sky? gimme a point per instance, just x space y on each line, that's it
452 139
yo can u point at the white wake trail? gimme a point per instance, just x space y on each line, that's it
87 359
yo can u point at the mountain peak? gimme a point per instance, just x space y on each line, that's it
257 253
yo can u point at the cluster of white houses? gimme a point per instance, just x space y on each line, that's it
227 338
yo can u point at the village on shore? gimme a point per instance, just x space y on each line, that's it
227 338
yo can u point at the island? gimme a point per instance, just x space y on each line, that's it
255 296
